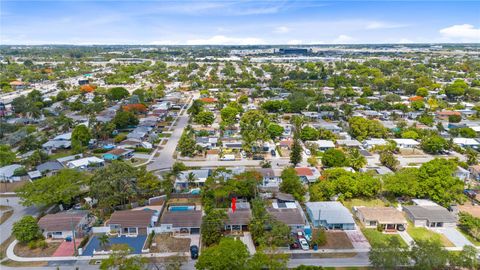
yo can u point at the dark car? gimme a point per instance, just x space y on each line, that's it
272 152
294 245
258 158
194 252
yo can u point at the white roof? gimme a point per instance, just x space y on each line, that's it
406 141
325 143
476 128
83 162
375 142
423 202
465 141
331 212
63 137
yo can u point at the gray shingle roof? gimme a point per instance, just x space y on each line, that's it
430 213
331 212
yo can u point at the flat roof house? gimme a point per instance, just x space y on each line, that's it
430 215
60 225
200 176
388 218
330 215
406 143
84 163
132 222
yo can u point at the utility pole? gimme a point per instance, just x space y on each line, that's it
73 238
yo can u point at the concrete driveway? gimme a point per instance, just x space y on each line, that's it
454 236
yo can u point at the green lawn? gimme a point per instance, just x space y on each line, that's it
422 233
363 202
60 154
375 237
470 238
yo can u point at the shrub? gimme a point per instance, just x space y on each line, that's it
320 237
42 244
84 241
32 244
119 138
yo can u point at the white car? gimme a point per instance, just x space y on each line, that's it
304 244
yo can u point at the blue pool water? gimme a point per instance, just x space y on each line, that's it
179 208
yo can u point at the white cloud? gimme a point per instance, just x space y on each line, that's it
461 32
224 40
343 39
405 40
382 25
281 30
165 42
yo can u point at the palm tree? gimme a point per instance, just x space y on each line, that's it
103 240
191 177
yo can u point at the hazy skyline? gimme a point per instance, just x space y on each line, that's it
237 22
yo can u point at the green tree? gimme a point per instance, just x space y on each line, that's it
472 156
117 93
187 145
389 255
229 115
428 255
125 119
434 144
454 118
267 260
104 240
205 118
296 152
402 183
119 259
292 184
410 134
26 229
275 130
195 108
456 89
362 128
422 91
388 159
228 254
309 133
334 158
7 156
253 128
212 226
355 159
80 138
61 188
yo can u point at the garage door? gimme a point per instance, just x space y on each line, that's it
195 230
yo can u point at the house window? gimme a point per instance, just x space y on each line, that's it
57 233
373 223
132 230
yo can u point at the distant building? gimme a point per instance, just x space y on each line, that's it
294 51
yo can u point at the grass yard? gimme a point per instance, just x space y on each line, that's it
24 251
336 240
363 202
16 264
375 237
469 237
421 233
60 154
168 243
11 187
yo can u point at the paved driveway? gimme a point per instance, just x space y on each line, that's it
358 239
18 212
454 236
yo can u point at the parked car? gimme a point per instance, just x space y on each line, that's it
194 252
300 235
272 152
294 245
304 244
258 158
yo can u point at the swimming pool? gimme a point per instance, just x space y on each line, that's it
178 208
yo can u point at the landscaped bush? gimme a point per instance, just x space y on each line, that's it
119 138
143 150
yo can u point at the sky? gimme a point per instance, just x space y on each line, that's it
196 22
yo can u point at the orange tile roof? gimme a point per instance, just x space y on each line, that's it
303 171
208 100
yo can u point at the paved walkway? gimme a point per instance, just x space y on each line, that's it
358 239
248 241
406 237
454 236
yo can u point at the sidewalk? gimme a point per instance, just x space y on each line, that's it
406 237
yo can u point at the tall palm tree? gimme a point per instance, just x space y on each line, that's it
103 240
191 177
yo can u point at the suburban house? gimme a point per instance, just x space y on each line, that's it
349 143
387 218
49 167
62 141
182 219
132 222
308 174
238 220
270 178
466 142
60 225
475 172
199 178
118 153
429 214
86 162
288 211
323 145
330 215
367 144
406 143
7 173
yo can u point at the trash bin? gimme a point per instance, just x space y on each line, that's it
315 247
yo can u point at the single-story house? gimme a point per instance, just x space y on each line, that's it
462 173
324 145
118 153
199 178
373 142
475 171
132 222
308 174
270 178
60 225
7 173
429 215
285 144
330 215
349 143
406 143
289 216
238 220
182 221
466 142
84 163
49 167
388 218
